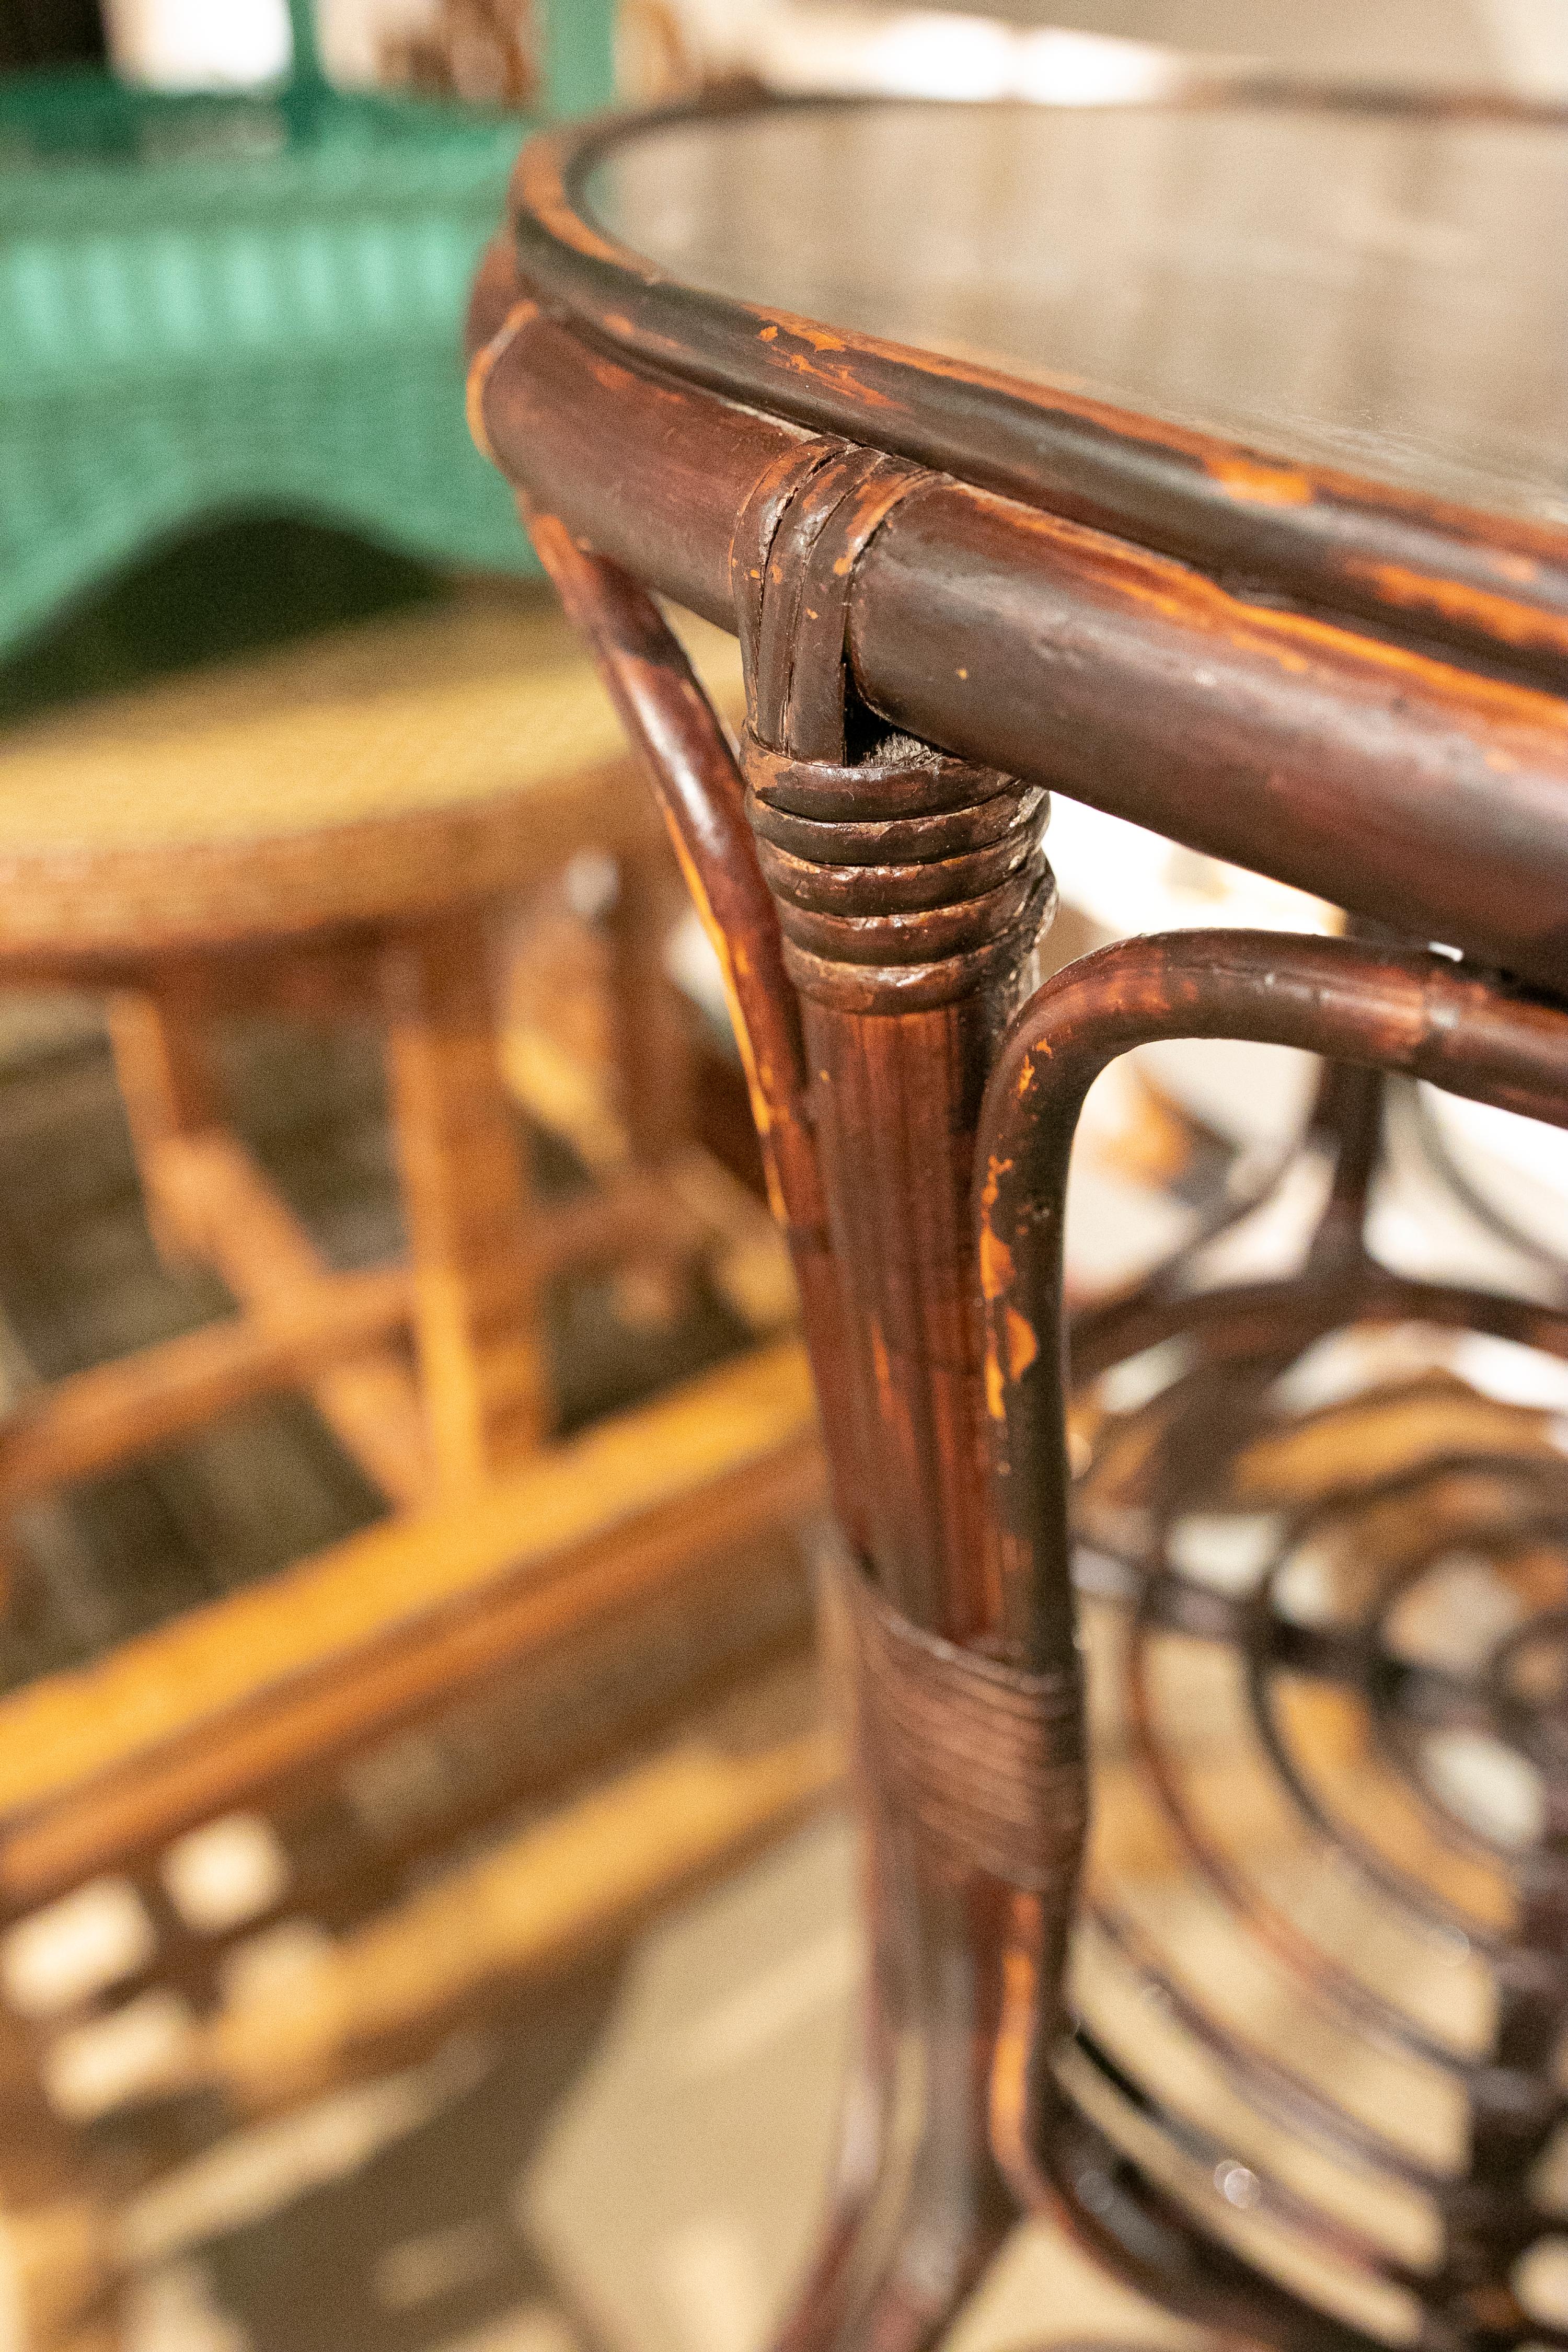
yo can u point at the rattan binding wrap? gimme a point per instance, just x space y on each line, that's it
983 1763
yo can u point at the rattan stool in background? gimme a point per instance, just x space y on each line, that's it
333 830
340 830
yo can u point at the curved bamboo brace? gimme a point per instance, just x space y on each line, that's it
691 766
1387 1009
878 2225
688 760
1392 1009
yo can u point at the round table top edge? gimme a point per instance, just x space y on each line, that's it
1428 571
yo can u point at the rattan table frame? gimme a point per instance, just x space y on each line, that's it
956 592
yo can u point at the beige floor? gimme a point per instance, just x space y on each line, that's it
666 2198
679 2189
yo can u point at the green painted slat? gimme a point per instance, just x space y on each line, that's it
205 299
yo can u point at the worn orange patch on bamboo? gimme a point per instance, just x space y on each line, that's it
1009 2100
1261 486
880 1364
1455 600
1023 1347
995 1265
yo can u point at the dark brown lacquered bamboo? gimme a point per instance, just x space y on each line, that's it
912 891
691 767
953 592
1401 785
1318 535
1391 1010
1380 1009
904 934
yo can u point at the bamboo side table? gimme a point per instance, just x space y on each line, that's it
1205 460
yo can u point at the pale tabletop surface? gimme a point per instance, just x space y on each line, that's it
1381 292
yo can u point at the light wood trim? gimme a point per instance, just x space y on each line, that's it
562 1095
466 1203
262 1749
167 1082
635 1210
649 1024
655 1065
178 1721
57 2250
77 1427
58 2278
578 1882
208 1190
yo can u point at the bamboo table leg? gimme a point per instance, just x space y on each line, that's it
873 959
207 1199
170 1090
465 1201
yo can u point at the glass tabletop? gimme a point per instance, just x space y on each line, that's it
1380 291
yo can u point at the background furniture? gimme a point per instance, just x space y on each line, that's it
340 831
216 307
329 830
1098 501
1060 52
211 302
